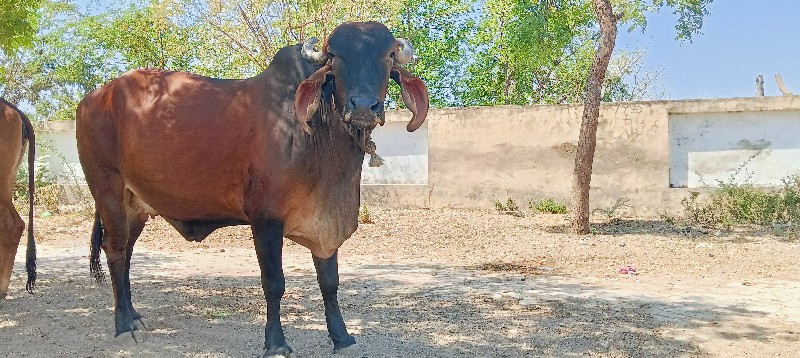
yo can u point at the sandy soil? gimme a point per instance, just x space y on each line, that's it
428 283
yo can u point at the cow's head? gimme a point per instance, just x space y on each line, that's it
358 59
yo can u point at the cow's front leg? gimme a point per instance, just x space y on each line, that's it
268 237
328 278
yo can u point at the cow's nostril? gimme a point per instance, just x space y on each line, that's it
366 104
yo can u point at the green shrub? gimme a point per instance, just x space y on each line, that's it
48 193
510 207
611 211
364 216
737 204
548 206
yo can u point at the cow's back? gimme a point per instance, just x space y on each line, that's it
179 141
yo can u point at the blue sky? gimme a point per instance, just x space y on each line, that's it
741 39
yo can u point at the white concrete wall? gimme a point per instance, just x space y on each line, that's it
56 140
743 147
651 153
405 154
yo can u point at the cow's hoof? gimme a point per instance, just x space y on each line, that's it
140 325
131 338
353 350
279 352
138 336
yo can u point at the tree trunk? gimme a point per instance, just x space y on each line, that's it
587 140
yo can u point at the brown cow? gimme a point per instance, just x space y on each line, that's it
15 131
281 151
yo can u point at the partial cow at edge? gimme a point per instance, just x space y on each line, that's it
15 132
281 152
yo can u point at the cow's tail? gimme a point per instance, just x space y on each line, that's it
30 253
95 267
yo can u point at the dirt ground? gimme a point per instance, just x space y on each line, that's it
428 283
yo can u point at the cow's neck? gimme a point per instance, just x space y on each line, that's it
335 161
334 151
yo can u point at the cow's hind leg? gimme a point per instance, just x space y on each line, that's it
136 224
328 278
11 227
115 245
268 237
119 222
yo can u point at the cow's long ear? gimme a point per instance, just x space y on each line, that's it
307 97
415 95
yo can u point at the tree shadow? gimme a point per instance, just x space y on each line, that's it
394 310
667 228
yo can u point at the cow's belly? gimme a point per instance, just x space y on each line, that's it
187 159
186 196
196 175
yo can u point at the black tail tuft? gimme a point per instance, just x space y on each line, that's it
30 266
95 267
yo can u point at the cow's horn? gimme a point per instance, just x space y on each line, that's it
311 55
405 52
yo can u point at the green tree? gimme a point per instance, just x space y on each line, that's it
251 32
18 23
75 53
534 51
529 52
438 30
61 65
541 51
143 36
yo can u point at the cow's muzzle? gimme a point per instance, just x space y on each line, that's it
367 112
361 116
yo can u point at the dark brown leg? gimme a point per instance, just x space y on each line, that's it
328 279
268 237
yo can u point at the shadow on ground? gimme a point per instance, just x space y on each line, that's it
626 226
394 310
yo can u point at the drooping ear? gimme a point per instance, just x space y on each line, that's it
415 95
307 97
